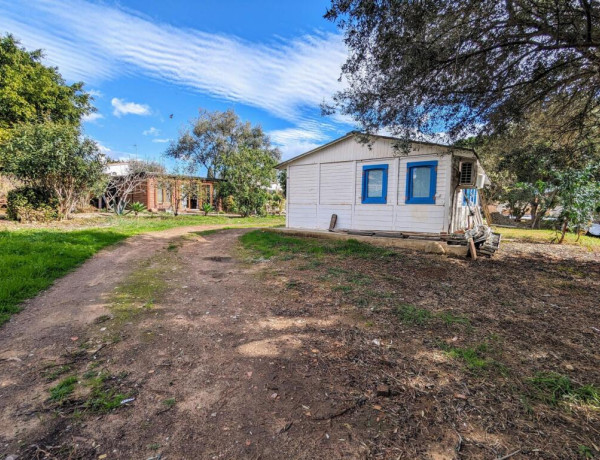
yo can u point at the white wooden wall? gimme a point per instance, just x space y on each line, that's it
330 181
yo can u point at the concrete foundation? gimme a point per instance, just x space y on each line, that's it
431 246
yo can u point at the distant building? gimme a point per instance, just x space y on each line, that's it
164 192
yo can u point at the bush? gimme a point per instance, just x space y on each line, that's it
31 204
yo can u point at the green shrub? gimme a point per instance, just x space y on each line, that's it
31 204
206 208
137 207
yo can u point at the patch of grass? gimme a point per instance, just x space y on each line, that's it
153 446
450 318
547 236
53 372
64 388
211 231
169 402
173 246
103 400
311 265
413 315
342 288
102 397
473 357
585 451
479 357
32 258
270 244
138 292
552 388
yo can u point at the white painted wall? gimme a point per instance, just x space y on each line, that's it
330 181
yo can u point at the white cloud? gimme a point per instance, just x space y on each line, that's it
96 42
95 93
92 117
152 131
103 148
122 107
161 141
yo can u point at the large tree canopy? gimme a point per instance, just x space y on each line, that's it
54 157
31 92
464 65
213 135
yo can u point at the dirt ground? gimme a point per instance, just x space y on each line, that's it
222 354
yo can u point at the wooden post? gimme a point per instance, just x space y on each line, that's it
472 250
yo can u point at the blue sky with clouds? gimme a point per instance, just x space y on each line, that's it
272 61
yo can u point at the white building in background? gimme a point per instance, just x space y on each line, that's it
432 189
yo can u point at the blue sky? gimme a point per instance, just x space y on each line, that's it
272 61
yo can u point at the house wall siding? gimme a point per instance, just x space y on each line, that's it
330 182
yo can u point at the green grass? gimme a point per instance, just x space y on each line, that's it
473 357
169 402
32 258
268 244
53 372
552 388
63 389
413 315
546 236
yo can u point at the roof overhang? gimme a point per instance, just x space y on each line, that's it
286 163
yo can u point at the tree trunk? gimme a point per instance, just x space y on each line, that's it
563 231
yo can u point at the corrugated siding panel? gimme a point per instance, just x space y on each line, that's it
302 216
373 217
336 185
303 184
344 213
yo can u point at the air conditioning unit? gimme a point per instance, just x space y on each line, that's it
467 173
480 182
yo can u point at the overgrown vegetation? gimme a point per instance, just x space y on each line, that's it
63 389
554 389
31 259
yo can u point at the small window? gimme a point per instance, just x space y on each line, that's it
374 184
470 197
421 178
160 196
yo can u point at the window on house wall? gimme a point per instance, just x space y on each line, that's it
374 184
471 195
421 178
160 195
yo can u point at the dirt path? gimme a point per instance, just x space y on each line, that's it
218 368
350 355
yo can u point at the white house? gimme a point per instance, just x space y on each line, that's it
431 189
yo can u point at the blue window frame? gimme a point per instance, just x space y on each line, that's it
421 178
374 184
471 194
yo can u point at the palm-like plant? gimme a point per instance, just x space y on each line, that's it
207 207
136 208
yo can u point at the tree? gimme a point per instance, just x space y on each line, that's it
248 172
579 193
119 189
214 135
470 65
229 148
31 92
55 157
282 179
